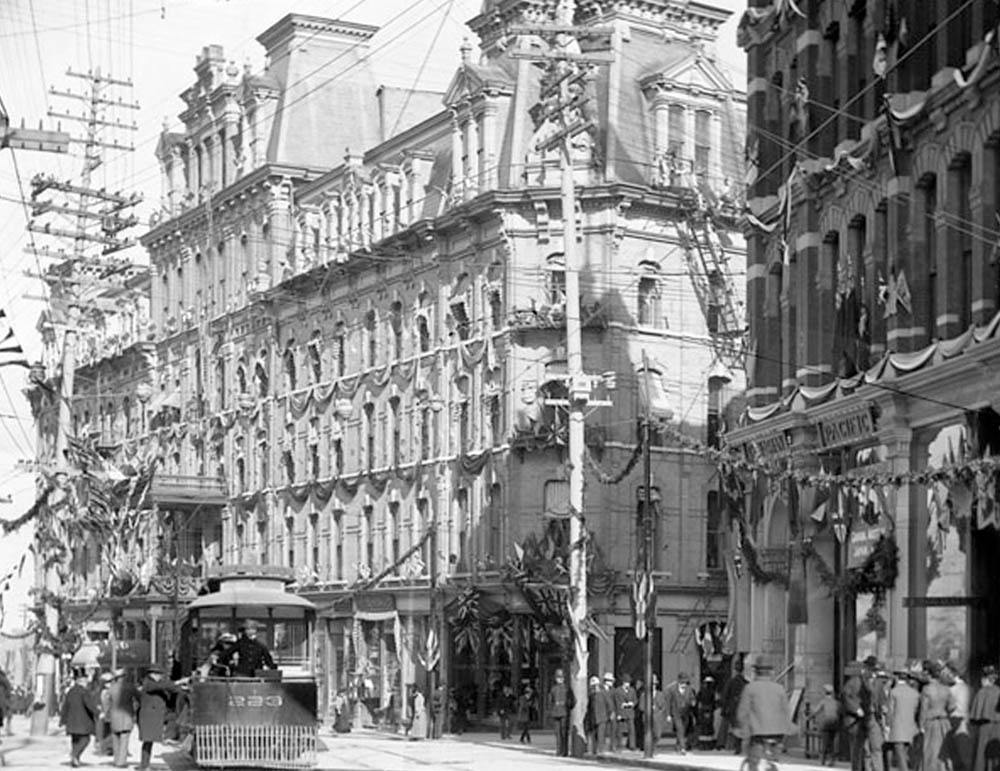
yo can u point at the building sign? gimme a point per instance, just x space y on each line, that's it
940 602
374 602
847 428
862 544
767 446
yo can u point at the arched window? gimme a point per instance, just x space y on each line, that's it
396 321
340 349
424 332
650 309
555 280
315 358
260 375
241 379
288 359
371 331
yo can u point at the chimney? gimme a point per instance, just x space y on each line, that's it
300 32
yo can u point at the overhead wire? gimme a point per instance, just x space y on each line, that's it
864 91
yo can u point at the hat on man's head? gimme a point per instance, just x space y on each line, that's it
852 668
120 672
989 671
106 677
872 662
155 668
626 678
250 625
828 689
595 680
559 673
763 664
682 677
608 677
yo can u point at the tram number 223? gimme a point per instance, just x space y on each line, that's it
255 701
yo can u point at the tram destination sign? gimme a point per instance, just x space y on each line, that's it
847 427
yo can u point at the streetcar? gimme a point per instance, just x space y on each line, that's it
267 720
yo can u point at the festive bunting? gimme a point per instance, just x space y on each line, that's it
989 44
880 62
11 353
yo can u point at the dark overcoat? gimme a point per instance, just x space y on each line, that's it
153 708
79 710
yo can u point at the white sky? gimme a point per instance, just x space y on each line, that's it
154 43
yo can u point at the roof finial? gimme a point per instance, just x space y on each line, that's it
465 50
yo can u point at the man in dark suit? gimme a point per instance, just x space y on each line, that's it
681 705
560 703
79 713
625 702
249 654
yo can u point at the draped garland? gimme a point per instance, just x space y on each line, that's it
606 478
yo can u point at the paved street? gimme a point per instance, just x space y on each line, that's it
368 751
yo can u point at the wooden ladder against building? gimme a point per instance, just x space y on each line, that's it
689 623
711 277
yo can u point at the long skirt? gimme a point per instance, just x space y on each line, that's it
988 748
935 732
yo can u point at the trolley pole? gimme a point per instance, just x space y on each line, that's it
563 98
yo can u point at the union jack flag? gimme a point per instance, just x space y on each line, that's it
11 353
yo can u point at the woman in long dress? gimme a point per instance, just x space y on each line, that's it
420 722
934 718
985 715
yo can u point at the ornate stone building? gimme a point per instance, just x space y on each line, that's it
366 349
872 298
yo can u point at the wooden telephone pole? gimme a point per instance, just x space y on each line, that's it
75 281
563 104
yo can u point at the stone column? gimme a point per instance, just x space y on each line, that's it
472 166
905 330
897 437
457 176
815 307
689 135
715 169
950 247
983 203
490 172
194 169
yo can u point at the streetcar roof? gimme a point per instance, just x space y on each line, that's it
237 594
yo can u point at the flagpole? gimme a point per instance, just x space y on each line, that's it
647 565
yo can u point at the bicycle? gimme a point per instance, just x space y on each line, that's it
761 754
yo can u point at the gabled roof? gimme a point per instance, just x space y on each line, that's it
472 79
688 69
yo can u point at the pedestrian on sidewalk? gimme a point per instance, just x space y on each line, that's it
625 701
985 713
525 708
959 745
123 702
156 693
506 708
102 734
729 700
614 733
560 703
439 704
826 719
599 711
763 708
681 705
659 712
904 710
934 718
419 726
79 716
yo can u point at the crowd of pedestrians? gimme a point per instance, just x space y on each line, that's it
111 710
920 718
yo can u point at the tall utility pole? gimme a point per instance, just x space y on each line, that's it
76 281
646 594
563 107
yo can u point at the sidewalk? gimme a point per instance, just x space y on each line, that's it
543 743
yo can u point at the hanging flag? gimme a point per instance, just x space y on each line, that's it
894 135
839 518
880 63
432 651
643 603
802 105
987 513
819 507
11 353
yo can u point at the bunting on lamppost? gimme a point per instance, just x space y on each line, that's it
644 603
